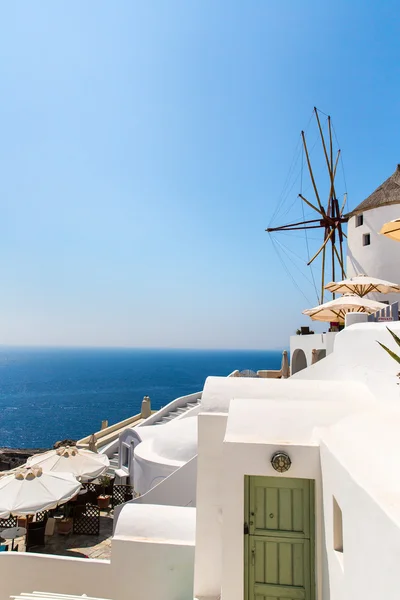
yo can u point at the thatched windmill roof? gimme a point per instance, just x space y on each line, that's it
387 193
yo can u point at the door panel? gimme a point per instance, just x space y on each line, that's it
280 562
279 548
279 506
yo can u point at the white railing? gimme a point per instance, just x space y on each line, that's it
389 313
165 410
111 433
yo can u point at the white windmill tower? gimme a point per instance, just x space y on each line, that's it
368 252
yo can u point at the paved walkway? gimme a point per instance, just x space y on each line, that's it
81 546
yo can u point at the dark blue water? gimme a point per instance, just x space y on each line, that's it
52 394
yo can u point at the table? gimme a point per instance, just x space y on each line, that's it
13 532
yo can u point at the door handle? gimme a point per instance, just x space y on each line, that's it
253 557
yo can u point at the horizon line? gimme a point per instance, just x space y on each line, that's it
88 347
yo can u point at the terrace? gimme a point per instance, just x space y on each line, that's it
73 544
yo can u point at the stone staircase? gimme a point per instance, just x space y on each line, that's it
177 412
170 416
114 464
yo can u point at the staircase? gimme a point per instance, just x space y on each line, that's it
177 412
114 464
167 418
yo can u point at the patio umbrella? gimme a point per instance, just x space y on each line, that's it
28 491
82 463
362 285
392 230
335 310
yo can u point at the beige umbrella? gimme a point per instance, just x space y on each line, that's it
335 310
362 285
392 230
70 459
28 491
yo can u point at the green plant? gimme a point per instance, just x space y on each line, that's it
395 356
105 482
67 512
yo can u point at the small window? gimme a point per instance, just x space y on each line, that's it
366 239
337 527
359 220
125 456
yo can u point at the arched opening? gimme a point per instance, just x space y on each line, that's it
318 355
299 361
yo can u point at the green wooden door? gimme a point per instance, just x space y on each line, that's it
279 540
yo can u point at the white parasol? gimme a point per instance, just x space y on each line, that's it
28 491
82 463
335 310
362 285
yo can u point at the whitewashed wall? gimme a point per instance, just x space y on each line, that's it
178 489
254 459
358 357
26 572
152 558
152 553
382 257
208 557
223 465
369 565
307 343
148 474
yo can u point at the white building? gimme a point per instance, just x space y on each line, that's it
262 488
327 528
368 252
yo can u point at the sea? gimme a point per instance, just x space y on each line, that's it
51 394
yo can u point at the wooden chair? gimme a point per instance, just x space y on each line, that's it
35 534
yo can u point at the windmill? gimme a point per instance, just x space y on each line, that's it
331 217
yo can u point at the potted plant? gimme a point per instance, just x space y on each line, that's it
103 500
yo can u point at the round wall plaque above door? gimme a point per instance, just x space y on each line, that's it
281 462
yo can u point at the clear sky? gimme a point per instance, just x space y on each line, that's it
143 149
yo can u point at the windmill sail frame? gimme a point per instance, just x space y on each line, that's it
330 219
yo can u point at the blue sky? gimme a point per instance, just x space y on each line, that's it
143 149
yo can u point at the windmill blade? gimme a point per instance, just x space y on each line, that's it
292 226
312 174
338 257
310 204
344 203
322 247
329 163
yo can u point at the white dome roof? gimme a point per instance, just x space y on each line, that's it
156 522
178 440
175 441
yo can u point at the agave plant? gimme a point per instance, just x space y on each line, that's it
395 356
